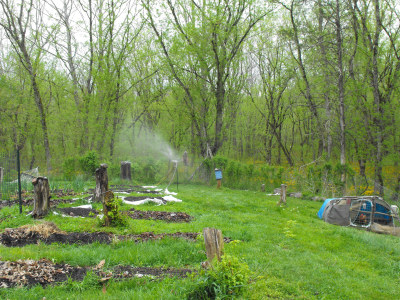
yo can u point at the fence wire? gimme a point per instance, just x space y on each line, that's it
8 176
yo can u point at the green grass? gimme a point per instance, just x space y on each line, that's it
292 254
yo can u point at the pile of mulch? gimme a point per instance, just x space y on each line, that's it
78 212
44 272
31 272
159 215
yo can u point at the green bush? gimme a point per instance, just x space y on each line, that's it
70 168
89 163
225 279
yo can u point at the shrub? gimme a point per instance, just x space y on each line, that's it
70 168
89 162
227 278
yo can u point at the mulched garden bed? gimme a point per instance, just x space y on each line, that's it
159 215
30 201
48 233
78 212
44 272
31 272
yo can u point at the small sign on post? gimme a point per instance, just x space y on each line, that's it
218 176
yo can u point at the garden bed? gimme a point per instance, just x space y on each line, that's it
44 272
48 233
159 215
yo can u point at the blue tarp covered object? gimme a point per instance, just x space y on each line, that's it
321 210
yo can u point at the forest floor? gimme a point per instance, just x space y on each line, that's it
290 252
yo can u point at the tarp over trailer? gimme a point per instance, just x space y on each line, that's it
368 212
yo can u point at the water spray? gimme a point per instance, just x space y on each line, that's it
173 175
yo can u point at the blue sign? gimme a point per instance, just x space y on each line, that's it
218 174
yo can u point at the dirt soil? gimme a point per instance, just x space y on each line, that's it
159 215
78 212
48 233
44 272
29 201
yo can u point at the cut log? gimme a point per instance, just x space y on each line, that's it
41 191
126 170
101 183
214 243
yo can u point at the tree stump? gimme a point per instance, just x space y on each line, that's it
283 195
41 190
101 183
126 170
108 206
214 243
1 174
263 188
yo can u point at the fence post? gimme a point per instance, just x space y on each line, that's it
1 181
19 182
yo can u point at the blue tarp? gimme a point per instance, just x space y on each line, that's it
321 210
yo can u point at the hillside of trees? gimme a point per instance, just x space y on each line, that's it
287 82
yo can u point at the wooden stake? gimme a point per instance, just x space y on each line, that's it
263 188
214 243
41 190
283 195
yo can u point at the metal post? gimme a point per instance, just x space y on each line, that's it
177 178
19 182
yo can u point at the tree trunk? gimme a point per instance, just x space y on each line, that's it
126 170
41 190
101 183
214 243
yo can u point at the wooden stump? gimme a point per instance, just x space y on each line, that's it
126 170
1 174
101 183
41 190
263 188
108 205
214 243
283 195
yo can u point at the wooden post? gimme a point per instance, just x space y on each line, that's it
263 188
214 243
126 170
283 195
41 190
101 183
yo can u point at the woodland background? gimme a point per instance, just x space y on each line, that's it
301 92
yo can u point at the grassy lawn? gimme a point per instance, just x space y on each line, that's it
291 253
